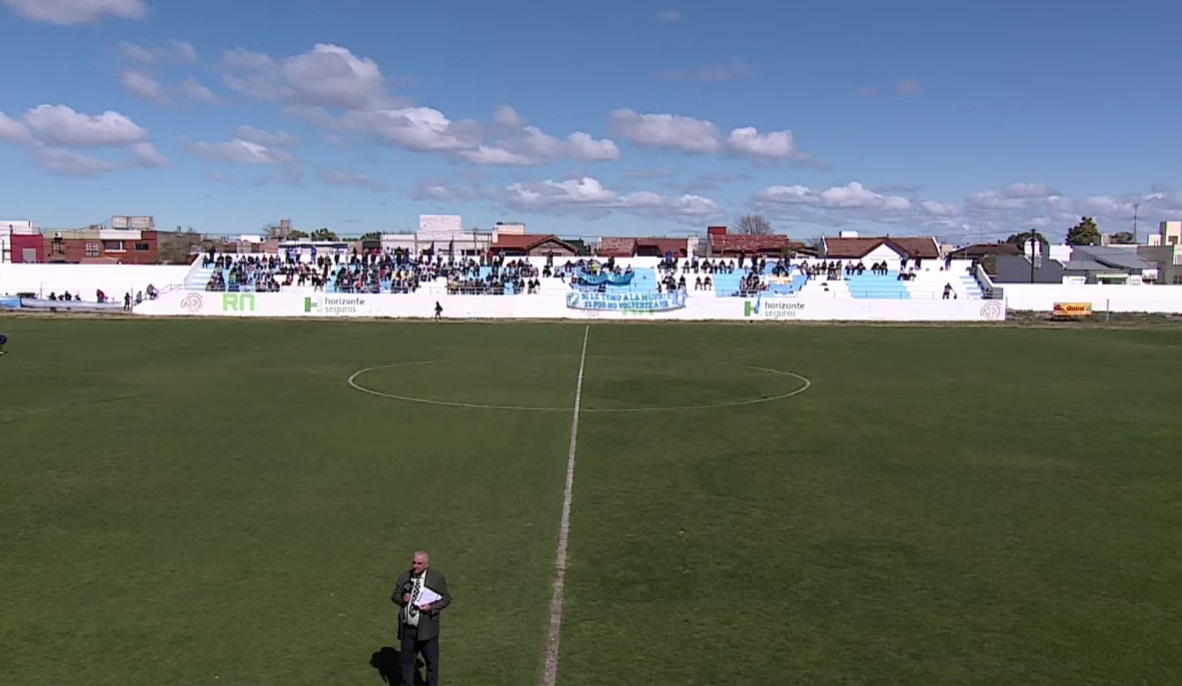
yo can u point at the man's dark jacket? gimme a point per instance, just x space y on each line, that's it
428 621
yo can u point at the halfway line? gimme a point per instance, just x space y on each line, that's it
550 673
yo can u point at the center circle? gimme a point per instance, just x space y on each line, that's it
611 383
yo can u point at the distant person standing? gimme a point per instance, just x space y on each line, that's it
3 342
438 310
418 621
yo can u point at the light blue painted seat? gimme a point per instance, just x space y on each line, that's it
876 286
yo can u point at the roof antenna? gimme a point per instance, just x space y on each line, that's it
1136 240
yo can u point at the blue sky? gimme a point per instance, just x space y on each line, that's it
968 121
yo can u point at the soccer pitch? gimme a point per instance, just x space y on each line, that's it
229 502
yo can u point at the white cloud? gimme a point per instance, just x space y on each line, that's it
335 177
731 70
442 191
253 146
174 51
184 51
240 151
701 137
64 162
667 131
509 143
145 155
850 196
279 139
938 209
981 216
194 90
326 76
749 142
12 131
68 12
587 196
330 78
505 115
421 129
53 133
69 163
59 125
144 87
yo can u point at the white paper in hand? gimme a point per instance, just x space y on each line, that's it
428 597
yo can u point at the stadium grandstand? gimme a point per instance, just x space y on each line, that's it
527 264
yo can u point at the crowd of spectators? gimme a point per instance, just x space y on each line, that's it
376 271
401 271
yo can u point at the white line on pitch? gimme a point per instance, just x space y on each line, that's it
550 672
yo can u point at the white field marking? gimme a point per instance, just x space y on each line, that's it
550 671
441 403
530 408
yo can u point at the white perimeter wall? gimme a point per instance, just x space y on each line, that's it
1116 298
116 280
553 306
85 279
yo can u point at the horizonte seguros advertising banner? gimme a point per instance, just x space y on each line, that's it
677 306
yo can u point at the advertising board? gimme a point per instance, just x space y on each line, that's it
1071 310
559 306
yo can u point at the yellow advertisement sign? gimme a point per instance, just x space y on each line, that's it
1072 310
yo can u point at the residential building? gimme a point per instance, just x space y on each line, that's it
533 245
850 246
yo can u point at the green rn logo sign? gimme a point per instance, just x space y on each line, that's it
237 302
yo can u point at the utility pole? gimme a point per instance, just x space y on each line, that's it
1034 246
1136 239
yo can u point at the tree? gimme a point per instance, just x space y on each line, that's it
371 236
1021 239
753 225
296 234
178 247
1084 233
1124 238
323 234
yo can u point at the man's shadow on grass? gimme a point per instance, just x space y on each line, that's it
386 661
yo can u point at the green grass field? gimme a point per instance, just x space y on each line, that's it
210 502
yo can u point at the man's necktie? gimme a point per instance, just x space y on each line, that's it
412 610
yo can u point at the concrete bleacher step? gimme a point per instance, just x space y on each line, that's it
198 278
971 287
869 285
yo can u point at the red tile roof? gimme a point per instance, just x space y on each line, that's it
526 241
621 246
617 247
857 248
734 243
677 246
518 241
850 248
924 247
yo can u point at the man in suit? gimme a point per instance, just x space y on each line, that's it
418 623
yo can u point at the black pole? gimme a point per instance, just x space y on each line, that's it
1033 248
